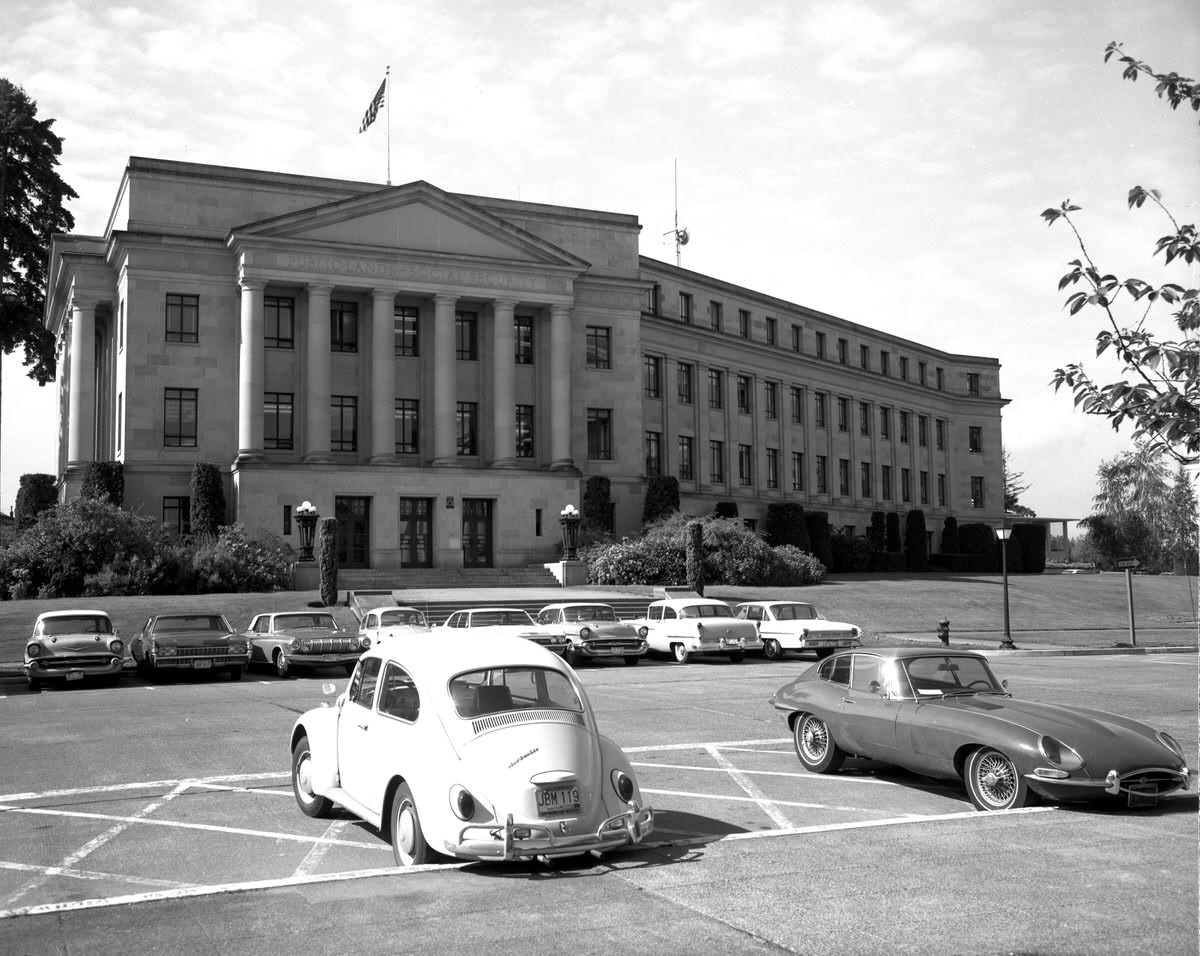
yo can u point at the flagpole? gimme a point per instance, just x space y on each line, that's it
387 79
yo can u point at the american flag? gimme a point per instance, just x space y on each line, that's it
373 109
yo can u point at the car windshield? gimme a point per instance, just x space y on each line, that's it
945 675
293 622
589 612
76 624
499 689
190 622
501 616
406 615
706 610
795 612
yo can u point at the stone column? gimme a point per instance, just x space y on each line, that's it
383 376
316 392
560 387
251 372
81 433
445 381
504 429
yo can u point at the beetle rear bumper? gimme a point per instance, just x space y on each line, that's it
521 841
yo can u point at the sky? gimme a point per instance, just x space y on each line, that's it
885 161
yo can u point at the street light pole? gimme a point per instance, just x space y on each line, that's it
1004 534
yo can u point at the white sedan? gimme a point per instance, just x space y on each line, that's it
501 622
797 626
484 750
381 623
684 625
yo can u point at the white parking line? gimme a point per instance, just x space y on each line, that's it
743 780
815 777
656 748
314 856
92 875
141 785
783 803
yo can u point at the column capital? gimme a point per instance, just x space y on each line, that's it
378 293
326 287
509 305
252 285
445 298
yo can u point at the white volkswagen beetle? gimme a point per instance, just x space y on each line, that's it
475 748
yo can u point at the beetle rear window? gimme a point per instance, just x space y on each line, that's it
499 689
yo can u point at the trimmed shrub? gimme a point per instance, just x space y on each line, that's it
916 547
35 493
892 543
208 499
978 544
327 560
877 536
596 509
1031 541
695 556
726 509
662 498
104 480
795 567
950 536
785 524
946 562
851 553
820 536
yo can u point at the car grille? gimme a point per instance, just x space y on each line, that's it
492 721
1154 780
631 646
219 650
332 645
829 635
79 660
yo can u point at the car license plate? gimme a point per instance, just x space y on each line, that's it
74 675
1143 796
553 801
201 665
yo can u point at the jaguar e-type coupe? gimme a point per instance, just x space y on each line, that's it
476 748
944 714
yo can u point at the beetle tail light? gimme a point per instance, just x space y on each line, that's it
462 803
623 785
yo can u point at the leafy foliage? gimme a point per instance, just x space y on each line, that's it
916 546
104 480
820 536
207 500
1158 391
35 493
662 497
596 508
327 560
785 524
695 556
1014 488
31 211
950 535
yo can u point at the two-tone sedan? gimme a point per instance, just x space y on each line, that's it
179 643
595 632
72 646
485 748
381 623
797 626
500 622
944 714
687 624
302 640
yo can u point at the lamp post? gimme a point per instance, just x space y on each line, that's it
1004 534
568 520
306 519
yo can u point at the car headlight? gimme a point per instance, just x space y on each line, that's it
643 631
305 647
294 644
585 633
462 803
855 632
33 649
804 632
1170 742
237 647
623 785
116 645
164 650
365 643
1058 753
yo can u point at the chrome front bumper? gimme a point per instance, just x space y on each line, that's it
521 841
1113 782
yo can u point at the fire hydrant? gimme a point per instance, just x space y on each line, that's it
944 631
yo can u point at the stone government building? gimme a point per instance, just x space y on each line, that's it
444 372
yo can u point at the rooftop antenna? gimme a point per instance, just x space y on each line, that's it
681 235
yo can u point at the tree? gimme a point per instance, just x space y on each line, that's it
1013 488
31 211
1158 390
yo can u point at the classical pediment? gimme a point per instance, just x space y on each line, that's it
416 217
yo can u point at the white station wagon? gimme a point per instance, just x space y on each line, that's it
797 626
473 748
687 624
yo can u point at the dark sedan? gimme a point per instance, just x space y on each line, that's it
189 642
945 715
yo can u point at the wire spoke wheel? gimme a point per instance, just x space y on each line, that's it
993 782
815 745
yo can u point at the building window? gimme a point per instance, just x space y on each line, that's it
686 456
904 367
279 322
904 418
685 308
819 417
653 454
772 331
820 345
885 482
843 406
599 346
885 363
523 331
922 373
343 432
941 490
179 417
466 336
797 404
844 477
716 388
923 431
743 394
864 479
716 313
404 325
183 318
524 432
797 471
973 384
906 484
822 475
653 298
864 356
684 372
976 491
975 439
408 435
466 418
939 432
797 338
744 323
885 422
745 465
923 486
599 433
772 467
177 514
343 326
843 352
864 418
716 462
277 420
771 400
939 375
652 376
